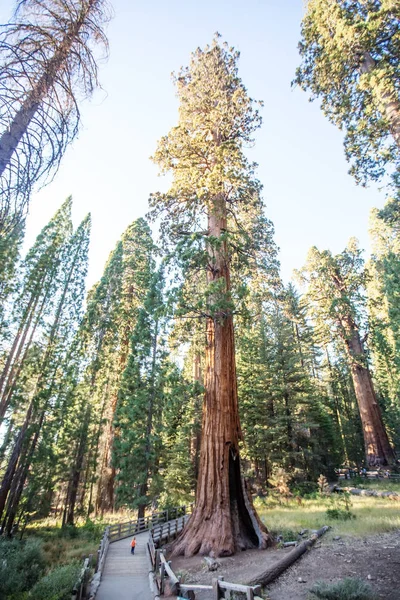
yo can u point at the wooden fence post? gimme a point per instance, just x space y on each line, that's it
215 589
162 576
157 560
250 594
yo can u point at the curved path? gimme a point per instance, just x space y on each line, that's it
126 576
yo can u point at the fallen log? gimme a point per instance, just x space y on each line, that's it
273 572
366 492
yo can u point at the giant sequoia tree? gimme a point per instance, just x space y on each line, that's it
335 290
46 65
384 308
213 223
350 53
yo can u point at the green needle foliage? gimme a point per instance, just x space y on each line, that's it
350 52
205 154
137 418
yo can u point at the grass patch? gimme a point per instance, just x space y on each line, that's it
347 589
373 515
70 544
62 546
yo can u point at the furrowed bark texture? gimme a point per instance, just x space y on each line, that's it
224 520
377 446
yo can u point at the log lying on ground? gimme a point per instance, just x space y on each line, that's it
273 572
362 492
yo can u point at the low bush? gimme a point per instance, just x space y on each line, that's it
21 565
347 589
341 504
339 514
305 488
58 584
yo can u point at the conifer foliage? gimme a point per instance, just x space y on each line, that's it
351 61
335 288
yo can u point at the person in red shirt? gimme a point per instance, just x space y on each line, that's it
133 545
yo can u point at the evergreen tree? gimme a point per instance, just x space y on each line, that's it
86 475
351 61
285 422
41 272
138 264
9 257
55 344
213 224
336 287
383 303
138 440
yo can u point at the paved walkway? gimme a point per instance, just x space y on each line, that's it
126 576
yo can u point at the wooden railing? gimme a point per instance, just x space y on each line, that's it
79 591
166 518
164 577
377 474
128 528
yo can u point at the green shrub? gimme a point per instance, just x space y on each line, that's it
347 589
341 505
58 584
92 530
70 531
339 514
285 535
305 488
21 565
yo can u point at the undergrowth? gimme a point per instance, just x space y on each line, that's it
373 516
347 589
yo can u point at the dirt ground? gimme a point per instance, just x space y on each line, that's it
375 559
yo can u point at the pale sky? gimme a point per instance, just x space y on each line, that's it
308 194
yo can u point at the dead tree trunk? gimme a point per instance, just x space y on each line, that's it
284 563
11 138
224 520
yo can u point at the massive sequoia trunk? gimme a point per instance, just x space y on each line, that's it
377 447
224 520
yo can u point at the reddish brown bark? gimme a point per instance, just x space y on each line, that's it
377 446
195 442
224 520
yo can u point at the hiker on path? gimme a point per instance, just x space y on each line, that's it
133 544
